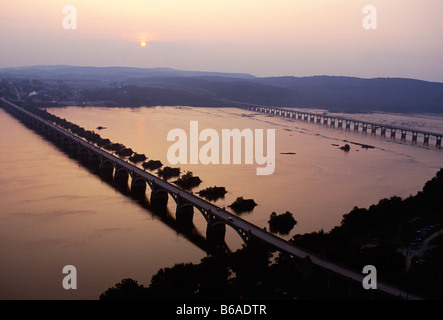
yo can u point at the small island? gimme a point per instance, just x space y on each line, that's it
104 143
115 147
136 157
125 152
281 223
242 205
213 193
168 172
152 164
188 181
346 147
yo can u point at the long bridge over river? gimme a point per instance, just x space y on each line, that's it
217 218
394 132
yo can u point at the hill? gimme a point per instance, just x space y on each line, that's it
133 87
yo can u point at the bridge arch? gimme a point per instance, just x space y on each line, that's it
121 176
83 153
159 196
138 186
121 172
94 160
74 147
94 156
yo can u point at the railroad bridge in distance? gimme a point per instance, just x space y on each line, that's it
383 130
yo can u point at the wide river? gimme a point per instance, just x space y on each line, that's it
54 212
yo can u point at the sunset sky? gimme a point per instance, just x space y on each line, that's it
261 37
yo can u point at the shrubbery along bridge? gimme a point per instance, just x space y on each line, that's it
217 218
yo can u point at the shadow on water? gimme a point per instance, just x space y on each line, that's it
187 230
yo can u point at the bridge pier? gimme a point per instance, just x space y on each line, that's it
121 177
138 187
383 131
426 140
403 135
184 214
94 161
438 142
106 170
414 137
158 198
83 155
304 268
215 234
365 128
64 143
393 132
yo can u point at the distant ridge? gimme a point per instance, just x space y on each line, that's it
120 73
127 86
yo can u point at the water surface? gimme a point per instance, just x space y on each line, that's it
54 212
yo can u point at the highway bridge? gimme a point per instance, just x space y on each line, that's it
217 218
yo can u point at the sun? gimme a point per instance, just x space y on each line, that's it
143 44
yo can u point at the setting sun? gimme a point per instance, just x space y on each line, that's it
143 44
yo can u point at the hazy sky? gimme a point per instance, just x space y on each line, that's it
261 37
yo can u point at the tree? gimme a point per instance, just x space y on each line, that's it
127 289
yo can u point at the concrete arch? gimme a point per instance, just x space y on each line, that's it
95 156
184 213
84 152
159 197
121 177
121 172
74 147
65 140
94 160
213 221
215 232
138 186
106 169
244 235
209 219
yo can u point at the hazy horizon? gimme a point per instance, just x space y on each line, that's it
262 38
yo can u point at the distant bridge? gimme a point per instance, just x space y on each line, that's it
217 218
355 125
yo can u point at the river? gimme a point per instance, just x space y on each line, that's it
54 212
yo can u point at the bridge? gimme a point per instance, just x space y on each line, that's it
356 125
217 218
